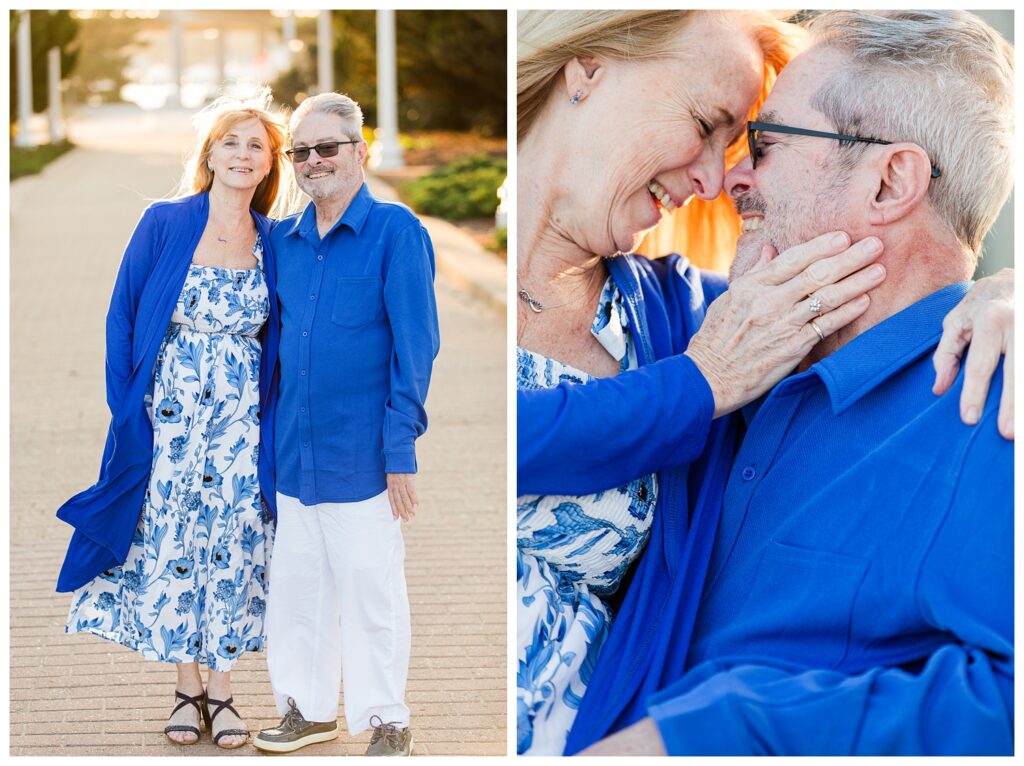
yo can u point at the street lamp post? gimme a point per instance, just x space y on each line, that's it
55 110
386 152
325 49
288 33
24 137
178 52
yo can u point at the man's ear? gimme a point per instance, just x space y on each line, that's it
904 174
582 74
362 148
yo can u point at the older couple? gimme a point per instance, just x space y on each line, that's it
211 438
829 569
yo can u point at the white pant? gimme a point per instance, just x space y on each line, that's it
338 602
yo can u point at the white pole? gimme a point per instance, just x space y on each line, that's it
178 53
288 32
386 152
56 112
222 56
24 137
324 54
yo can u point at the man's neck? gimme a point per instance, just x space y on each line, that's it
917 264
330 211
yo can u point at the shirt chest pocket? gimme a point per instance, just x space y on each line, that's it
357 301
800 604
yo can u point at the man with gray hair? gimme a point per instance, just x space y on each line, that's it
359 334
859 598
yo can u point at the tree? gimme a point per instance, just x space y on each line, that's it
451 68
49 29
105 48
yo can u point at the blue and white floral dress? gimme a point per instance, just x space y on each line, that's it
572 551
194 585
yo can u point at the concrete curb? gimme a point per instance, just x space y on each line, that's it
459 257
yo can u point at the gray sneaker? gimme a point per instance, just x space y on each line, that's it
388 739
294 732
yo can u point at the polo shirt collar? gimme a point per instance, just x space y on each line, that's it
873 357
354 216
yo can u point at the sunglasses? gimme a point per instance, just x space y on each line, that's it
754 130
325 150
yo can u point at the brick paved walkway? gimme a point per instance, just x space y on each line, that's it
80 695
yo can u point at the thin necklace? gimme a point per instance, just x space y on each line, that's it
535 305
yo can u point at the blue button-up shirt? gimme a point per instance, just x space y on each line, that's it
358 338
859 598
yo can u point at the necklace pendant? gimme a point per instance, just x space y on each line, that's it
535 305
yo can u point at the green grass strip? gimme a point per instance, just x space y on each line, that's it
26 162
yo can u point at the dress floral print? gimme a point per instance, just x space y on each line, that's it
194 585
571 552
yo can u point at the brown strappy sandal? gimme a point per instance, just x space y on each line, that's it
199 703
221 705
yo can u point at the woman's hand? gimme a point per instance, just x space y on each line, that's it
761 328
984 319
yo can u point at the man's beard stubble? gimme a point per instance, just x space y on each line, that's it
784 227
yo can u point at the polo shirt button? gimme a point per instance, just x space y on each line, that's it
304 333
305 444
319 257
302 409
302 372
749 473
312 297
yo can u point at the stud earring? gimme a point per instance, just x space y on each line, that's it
576 97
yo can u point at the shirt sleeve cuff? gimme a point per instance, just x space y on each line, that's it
401 461
695 723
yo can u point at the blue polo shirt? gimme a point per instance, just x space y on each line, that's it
859 598
358 338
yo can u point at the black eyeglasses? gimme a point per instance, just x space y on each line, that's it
755 128
326 149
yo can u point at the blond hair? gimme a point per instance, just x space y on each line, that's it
212 124
706 231
940 79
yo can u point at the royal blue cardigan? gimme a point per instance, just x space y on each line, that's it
148 284
558 453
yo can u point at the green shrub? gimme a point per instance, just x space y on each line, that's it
501 239
465 188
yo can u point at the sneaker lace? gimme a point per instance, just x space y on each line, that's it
389 731
293 718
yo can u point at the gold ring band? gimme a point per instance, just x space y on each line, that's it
817 329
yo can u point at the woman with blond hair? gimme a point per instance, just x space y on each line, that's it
171 545
625 116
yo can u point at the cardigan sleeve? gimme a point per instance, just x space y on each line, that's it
578 438
136 265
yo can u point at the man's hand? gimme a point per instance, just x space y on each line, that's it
984 319
642 738
402 495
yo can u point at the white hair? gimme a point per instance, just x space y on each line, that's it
940 79
337 104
